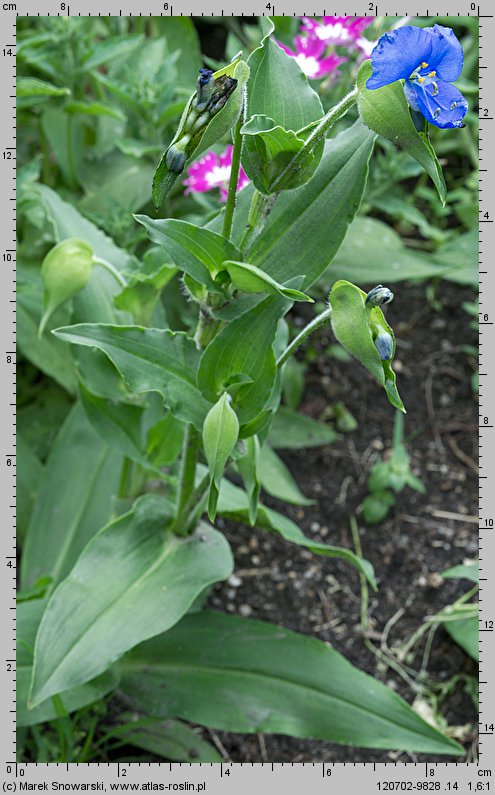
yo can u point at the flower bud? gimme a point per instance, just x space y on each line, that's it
204 88
379 296
64 272
176 155
384 345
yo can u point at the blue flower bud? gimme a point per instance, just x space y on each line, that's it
379 296
176 156
204 88
384 345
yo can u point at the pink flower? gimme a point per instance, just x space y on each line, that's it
366 46
213 171
336 30
308 55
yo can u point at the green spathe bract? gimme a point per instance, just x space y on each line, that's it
358 329
385 111
64 271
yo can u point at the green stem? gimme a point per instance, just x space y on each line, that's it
195 505
71 157
260 209
187 476
317 321
125 474
362 579
234 177
319 132
64 729
111 269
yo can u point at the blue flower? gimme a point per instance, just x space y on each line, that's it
429 60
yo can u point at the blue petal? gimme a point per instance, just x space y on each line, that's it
398 53
446 109
446 56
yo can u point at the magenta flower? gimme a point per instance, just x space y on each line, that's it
308 55
213 171
336 30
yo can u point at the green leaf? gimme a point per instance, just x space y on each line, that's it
220 433
29 470
279 89
109 49
182 40
248 466
32 87
293 431
116 182
319 212
164 441
277 480
140 296
467 571
149 360
194 249
233 504
94 109
74 500
47 353
214 131
460 258
257 677
65 139
28 615
250 279
355 327
156 576
170 739
465 632
267 152
243 350
118 424
68 222
373 252
385 111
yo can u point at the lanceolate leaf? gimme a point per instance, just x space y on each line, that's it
385 110
220 433
250 279
194 249
119 424
294 431
233 503
28 616
277 480
133 581
243 352
257 677
74 500
168 738
149 360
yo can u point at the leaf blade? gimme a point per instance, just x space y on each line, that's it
151 566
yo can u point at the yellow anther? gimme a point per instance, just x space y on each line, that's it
424 65
432 74
421 79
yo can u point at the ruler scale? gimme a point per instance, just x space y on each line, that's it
321 777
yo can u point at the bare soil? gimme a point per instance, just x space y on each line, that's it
422 536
